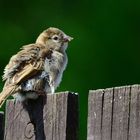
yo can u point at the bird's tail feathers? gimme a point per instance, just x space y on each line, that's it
7 91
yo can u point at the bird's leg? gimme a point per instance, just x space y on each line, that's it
52 89
51 83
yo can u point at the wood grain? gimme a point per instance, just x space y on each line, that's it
114 113
134 128
95 114
107 114
1 125
120 113
54 117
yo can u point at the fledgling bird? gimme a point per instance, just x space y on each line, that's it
37 68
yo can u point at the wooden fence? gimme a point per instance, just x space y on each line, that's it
113 114
54 117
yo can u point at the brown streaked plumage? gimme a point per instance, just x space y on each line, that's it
37 68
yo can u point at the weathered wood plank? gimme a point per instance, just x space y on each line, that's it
1 125
95 114
113 108
120 113
107 114
134 128
100 114
54 117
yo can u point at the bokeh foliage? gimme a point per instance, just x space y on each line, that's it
105 51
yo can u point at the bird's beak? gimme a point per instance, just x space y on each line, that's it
67 38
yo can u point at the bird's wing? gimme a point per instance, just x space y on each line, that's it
25 64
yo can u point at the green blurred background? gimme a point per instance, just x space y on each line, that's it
106 46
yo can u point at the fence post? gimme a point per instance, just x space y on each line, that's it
114 113
54 117
1 125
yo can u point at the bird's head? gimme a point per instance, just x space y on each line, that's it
54 38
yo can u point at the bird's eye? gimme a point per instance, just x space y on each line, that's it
55 38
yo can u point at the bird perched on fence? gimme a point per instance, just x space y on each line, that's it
37 68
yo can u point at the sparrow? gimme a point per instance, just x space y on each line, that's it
37 68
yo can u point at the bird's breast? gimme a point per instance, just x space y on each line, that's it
55 62
55 66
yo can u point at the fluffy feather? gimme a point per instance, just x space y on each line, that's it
37 68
